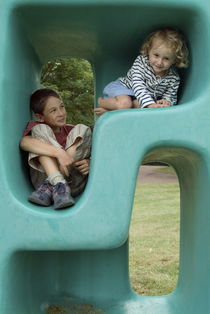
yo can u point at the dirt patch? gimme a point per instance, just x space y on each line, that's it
74 309
149 174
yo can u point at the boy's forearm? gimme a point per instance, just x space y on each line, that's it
33 145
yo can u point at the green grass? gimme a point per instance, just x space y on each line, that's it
154 239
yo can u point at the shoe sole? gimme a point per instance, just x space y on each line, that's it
64 205
38 202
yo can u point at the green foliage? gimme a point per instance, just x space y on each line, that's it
73 80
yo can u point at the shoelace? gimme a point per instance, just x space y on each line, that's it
60 188
44 186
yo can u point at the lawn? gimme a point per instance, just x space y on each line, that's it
154 239
153 242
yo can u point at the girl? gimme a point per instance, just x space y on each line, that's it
152 81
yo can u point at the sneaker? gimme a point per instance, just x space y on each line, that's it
62 196
42 195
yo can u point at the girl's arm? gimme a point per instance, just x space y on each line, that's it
138 77
171 92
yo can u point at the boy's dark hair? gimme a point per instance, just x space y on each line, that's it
39 99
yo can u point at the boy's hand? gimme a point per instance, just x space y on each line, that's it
83 166
64 161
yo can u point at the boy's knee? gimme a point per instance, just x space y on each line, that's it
41 130
82 129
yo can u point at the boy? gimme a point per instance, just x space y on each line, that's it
58 152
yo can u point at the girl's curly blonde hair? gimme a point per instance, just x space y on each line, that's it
174 39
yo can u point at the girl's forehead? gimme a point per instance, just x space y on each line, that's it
159 43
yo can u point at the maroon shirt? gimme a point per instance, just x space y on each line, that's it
60 136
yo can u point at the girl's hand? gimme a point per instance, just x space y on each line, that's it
83 166
154 105
99 111
160 104
164 102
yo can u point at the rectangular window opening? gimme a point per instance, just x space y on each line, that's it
154 232
72 78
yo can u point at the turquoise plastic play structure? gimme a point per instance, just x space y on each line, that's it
80 255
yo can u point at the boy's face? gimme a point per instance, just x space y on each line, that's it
54 113
161 57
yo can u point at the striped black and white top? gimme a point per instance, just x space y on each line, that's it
147 86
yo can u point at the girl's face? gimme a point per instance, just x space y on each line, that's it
161 57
